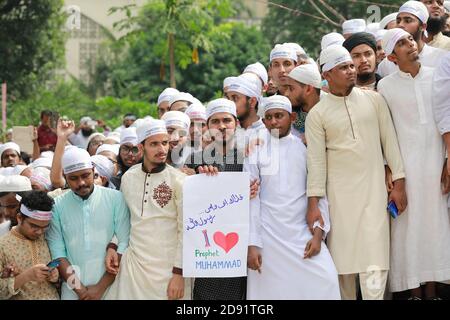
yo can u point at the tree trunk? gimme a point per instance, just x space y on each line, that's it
172 60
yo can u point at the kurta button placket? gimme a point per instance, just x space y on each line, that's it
87 242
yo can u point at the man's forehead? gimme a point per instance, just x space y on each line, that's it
79 173
234 93
362 48
281 61
10 198
160 137
403 15
220 115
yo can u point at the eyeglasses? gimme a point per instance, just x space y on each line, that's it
127 150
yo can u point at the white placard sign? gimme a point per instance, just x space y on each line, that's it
216 225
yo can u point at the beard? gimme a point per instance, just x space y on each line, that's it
86 132
446 33
246 114
365 77
435 25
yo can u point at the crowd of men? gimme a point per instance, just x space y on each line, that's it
364 126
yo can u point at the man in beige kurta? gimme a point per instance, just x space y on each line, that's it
348 132
153 192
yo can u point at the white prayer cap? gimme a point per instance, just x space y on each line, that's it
330 39
196 111
283 52
416 8
42 162
227 81
15 183
297 48
176 119
388 19
253 78
166 95
75 159
391 38
95 135
150 127
9 145
334 55
244 86
380 34
181 96
41 176
114 148
307 74
220 105
372 28
353 26
114 136
128 135
85 120
12 171
311 61
447 6
103 165
47 154
258 69
276 102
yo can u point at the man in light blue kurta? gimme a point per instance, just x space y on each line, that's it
85 220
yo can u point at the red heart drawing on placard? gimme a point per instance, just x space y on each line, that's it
226 242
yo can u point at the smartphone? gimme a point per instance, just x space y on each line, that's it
53 264
392 209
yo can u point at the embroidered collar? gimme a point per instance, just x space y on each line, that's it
157 169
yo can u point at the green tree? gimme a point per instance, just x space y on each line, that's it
131 67
32 43
295 22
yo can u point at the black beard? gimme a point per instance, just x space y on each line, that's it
446 33
246 114
86 132
435 25
365 77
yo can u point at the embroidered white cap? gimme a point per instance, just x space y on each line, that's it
388 19
283 52
220 105
196 111
307 74
333 56
150 127
353 26
75 159
15 183
9 145
258 69
166 95
391 38
330 39
176 119
114 148
416 8
128 135
276 102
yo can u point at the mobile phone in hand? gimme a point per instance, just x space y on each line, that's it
53 264
392 209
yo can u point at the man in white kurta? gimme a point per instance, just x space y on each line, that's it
153 258
420 237
418 13
441 99
278 225
348 132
